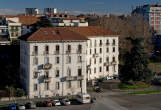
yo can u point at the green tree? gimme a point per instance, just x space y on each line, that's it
44 22
135 66
19 92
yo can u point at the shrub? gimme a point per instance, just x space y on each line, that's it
40 104
19 92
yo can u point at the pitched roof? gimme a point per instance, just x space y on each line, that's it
92 31
47 34
28 20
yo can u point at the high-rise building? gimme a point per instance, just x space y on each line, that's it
50 10
152 14
32 11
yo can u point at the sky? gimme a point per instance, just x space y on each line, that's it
74 6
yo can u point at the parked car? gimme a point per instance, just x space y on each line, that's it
21 107
65 102
93 100
56 103
97 89
30 105
116 77
109 77
156 81
84 98
48 104
12 107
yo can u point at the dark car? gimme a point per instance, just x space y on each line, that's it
93 100
156 81
97 89
12 107
30 105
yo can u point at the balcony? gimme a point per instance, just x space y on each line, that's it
79 51
68 52
34 53
47 66
57 52
47 78
95 55
46 52
106 64
107 44
69 78
100 44
80 77
113 63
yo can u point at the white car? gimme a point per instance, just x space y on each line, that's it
21 107
65 102
109 77
56 102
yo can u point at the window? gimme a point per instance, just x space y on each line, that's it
107 42
90 51
107 59
35 50
57 49
46 85
100 42
95 43
95 51
46 74
69 49
113 49
107 68
69 84
94 70
95 61
79 48
46 60
46 49
57 60
113 42
57 73
68 59
79 72
68 72
107 49
35 87
113 59
35 61
100 60
114 68
79 84
100 50
100 69
57 85
79 59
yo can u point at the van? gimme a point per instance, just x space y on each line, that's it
84 98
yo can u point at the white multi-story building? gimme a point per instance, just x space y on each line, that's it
102 51
53 63
152 14
32 11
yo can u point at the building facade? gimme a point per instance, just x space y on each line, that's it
152 14
32 11
53 63
102 51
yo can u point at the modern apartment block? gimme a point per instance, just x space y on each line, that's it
32 11
50 10
152 14
53 63
102 51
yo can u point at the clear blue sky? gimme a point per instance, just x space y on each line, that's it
75 6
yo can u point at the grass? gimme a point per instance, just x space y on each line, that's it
137 85
145 92
4 105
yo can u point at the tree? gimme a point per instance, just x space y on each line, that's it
44 22
19 92
135 66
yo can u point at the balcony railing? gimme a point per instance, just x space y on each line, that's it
107 44
106 64
57 52
80 77
95 55
34 53
69 78
68 51
79 51
47 66
113 62
46 52
47 78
